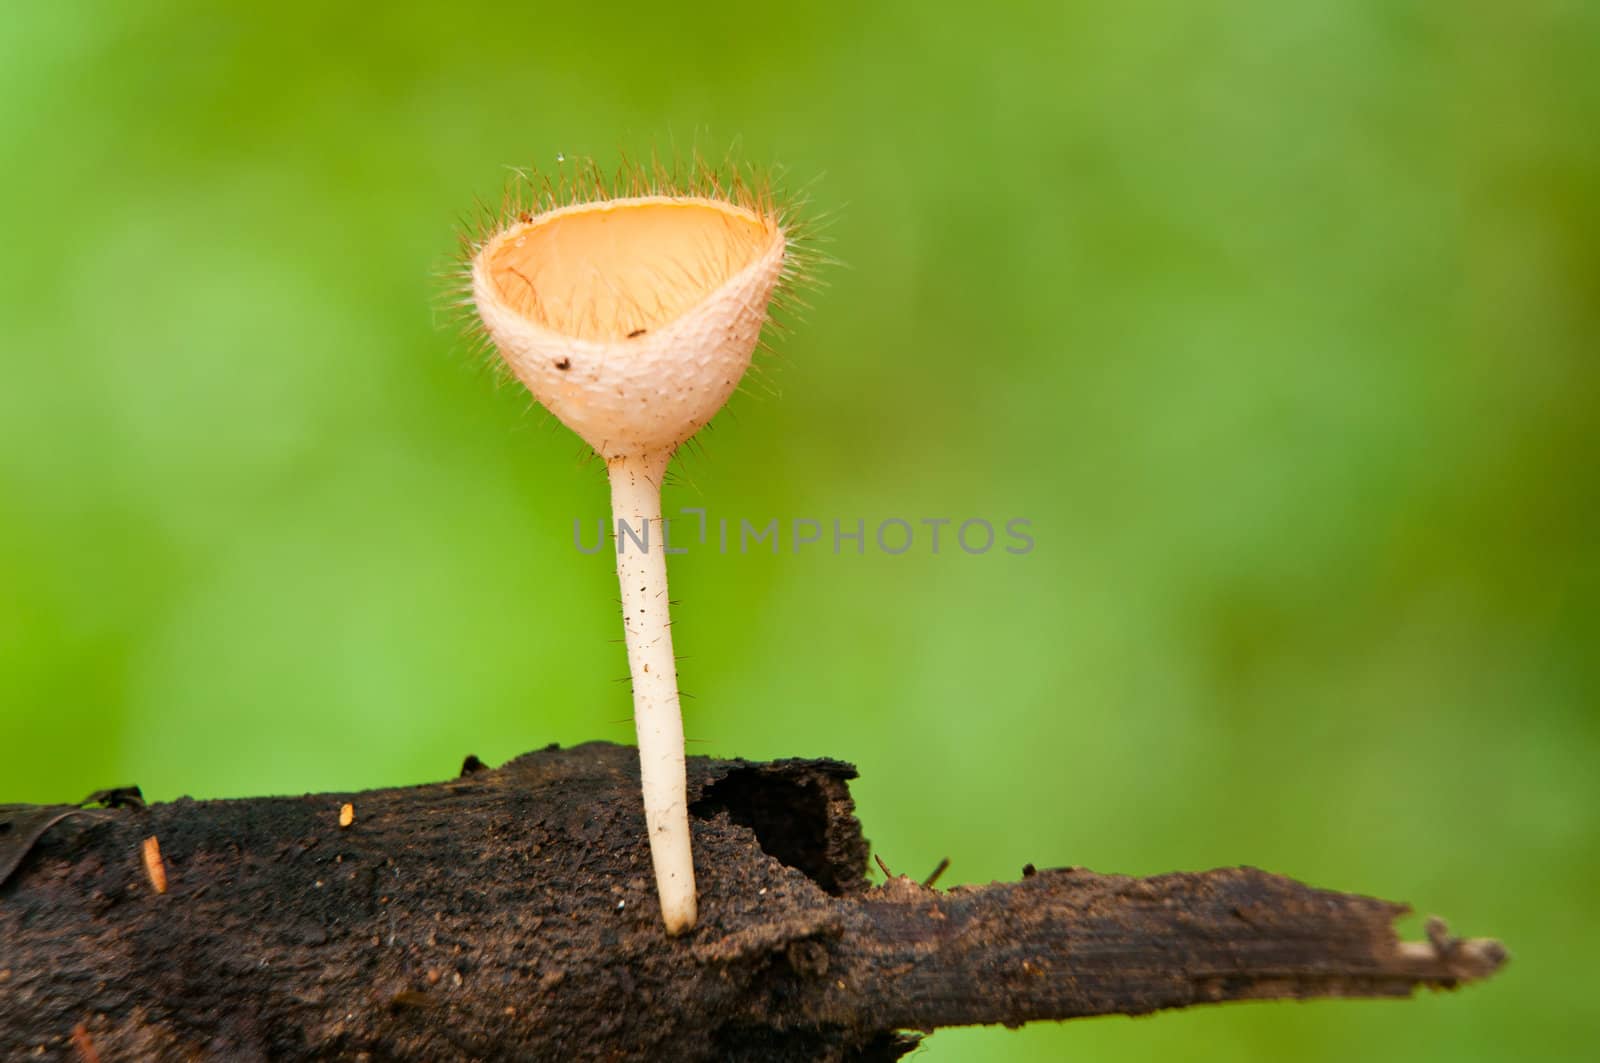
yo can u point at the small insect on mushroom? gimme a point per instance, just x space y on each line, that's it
630 309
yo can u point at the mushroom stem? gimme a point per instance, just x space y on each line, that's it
642 576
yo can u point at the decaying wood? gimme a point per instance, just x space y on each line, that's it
509 914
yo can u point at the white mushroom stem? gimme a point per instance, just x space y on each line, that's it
657 719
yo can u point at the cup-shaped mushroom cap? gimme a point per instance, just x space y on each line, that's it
632 320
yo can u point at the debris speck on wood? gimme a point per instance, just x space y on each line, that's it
154 868
83 1045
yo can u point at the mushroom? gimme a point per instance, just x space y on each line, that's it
632 318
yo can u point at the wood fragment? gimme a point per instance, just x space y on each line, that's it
509 915
154 867
83 1044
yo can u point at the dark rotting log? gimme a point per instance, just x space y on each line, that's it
509 914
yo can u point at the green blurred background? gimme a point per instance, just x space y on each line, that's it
1280 322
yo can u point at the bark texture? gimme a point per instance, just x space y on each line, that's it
510 914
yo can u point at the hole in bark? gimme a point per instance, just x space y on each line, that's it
789 817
